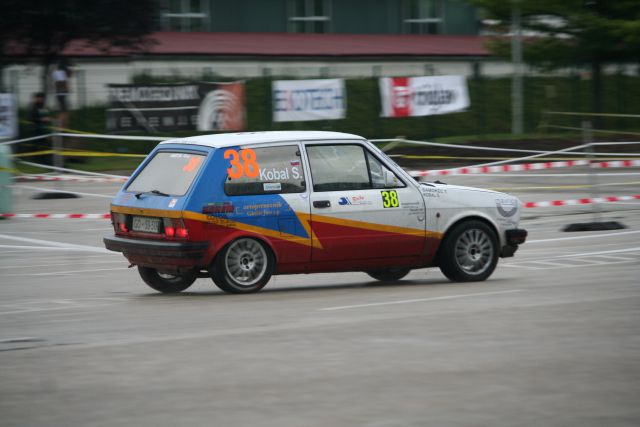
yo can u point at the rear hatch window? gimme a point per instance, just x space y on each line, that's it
168 173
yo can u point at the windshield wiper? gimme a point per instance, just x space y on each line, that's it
156 192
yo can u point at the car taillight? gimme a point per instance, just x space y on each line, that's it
182 232
174 227
120 222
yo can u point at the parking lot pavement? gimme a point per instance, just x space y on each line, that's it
550 339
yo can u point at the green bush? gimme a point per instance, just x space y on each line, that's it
489 113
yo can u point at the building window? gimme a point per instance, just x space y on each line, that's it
309 16
423 16
184 15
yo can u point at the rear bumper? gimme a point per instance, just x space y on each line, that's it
514 237
156 248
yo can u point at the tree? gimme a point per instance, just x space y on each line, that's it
41 29
588 33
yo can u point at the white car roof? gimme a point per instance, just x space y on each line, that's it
243 138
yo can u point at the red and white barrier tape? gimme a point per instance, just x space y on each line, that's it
616 164
586 201
542 204
67 178
526 167
57 216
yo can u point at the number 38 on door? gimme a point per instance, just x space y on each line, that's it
390 199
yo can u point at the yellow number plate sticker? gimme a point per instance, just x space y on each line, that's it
390 199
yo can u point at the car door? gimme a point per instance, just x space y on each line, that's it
267 190
360 209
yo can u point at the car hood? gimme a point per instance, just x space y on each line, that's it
458 188
458 196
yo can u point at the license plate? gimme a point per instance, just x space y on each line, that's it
146 224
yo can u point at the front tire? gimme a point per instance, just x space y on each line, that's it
469 253
389 275
243 266
166 283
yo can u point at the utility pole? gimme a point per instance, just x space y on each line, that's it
516 61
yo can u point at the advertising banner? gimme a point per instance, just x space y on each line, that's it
170 107
8 116
423 96
305 100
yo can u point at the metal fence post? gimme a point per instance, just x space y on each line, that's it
587 139
58 162
596 224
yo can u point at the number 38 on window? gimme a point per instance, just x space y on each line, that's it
390 199
242 164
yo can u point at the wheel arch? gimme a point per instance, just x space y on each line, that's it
462 219
239 235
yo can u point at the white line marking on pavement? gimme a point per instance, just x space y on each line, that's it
54 244
56 305
53 273
615 251
51 190
17 266
410 301
616 258
42 248
552 264
593 236
519 265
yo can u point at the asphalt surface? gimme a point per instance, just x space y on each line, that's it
551 339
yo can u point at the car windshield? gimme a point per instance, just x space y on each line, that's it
169 173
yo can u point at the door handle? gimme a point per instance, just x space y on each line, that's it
321 203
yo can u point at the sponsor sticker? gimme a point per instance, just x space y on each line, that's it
354 200
272 186
279 174
432 192
173 202
218 208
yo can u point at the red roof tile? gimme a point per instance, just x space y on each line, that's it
298 45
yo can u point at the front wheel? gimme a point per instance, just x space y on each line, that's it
469 253
166 283
243 266
389 275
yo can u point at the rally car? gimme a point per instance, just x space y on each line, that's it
241 207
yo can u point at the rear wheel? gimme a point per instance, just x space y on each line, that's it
166 283
243 266
469 252
389 275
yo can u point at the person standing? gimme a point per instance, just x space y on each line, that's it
61 76
40 119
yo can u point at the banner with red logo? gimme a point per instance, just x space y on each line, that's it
423 96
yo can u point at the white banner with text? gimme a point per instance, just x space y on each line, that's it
8 116
423 96
304 100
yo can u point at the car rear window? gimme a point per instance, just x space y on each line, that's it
170 173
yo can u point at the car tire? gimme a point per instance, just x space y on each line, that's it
243 266
166 283
389 275
469 252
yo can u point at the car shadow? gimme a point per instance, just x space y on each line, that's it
302 289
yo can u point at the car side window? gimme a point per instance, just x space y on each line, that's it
348 167
338 167
267 170
381 176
